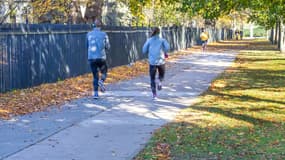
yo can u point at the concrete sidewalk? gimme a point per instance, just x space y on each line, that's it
118 125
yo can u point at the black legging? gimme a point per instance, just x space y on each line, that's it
98 64
152 73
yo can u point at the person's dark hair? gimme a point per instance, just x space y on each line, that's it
155 31
97 23
202 29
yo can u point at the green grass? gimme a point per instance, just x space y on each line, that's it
241 116
257 32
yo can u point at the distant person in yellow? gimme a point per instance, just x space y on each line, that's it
204 36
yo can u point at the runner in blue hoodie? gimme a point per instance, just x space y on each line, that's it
97 44
157 49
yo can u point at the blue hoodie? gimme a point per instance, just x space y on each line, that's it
97 43
156 47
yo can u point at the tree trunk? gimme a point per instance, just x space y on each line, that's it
279 34
282 37
276 33
272 36
75 15
251 30
94 10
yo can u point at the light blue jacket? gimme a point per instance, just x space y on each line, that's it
156 47
97 44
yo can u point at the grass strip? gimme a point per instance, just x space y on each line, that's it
241 116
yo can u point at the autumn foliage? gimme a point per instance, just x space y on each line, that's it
39 98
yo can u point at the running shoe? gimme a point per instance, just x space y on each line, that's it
96 96
102 86
159 86
154 97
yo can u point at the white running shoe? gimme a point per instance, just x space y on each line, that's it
102 86
154 97
159 86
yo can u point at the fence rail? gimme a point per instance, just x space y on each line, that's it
34 54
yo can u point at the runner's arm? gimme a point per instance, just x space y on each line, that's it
145 49
166 46
107 43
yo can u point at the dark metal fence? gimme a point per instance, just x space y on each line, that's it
34 54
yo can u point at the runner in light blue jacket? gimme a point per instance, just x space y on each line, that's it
157 49
97 44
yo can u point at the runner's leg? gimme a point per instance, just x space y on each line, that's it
94 69
161 73
103 69
152 73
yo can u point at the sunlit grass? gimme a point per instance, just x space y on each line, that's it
241 116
